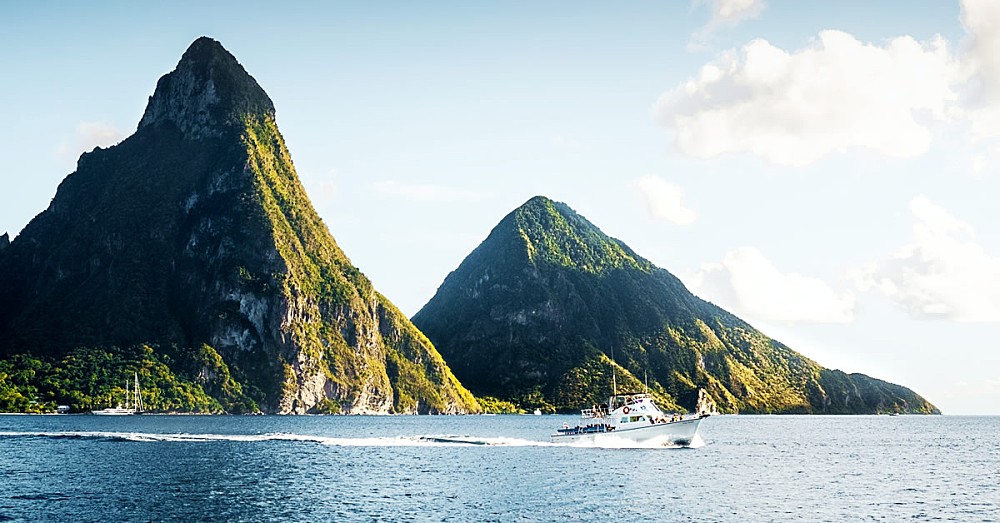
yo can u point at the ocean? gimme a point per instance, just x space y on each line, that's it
501 468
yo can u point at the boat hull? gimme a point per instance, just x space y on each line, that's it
674 434
114 412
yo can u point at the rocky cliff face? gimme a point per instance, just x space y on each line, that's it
196 230
548 307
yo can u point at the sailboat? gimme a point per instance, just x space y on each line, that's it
133 402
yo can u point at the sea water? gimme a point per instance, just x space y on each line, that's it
493 468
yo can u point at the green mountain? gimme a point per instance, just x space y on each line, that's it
543 310
194 236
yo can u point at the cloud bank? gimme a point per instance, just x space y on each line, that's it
943 273
749 285
793 108
663 200
837 94
981 19
725 13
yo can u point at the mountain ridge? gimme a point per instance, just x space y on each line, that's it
547 304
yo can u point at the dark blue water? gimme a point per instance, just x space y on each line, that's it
750 468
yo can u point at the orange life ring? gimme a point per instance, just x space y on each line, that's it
625 410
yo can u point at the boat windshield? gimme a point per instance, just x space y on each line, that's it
622 400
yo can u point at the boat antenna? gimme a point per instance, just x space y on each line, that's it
645 380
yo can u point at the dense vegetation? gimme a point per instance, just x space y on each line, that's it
542 311
171 380
492 405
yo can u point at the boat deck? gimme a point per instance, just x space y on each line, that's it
589 429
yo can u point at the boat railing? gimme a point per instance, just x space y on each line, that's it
594 428
593 413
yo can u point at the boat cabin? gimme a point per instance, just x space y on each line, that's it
632 416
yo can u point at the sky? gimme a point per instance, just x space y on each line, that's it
828 171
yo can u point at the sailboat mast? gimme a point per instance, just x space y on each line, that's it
137 397
614 381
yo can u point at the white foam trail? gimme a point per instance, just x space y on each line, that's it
697 442
476 440
615 442
384 441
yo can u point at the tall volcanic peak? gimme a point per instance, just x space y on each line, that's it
554 232
548 308
194 234
206 93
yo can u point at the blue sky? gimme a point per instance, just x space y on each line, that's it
827 171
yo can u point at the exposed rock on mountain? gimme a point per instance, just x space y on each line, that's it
195 230
543 310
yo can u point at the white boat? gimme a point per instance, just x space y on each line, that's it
133 402
631 417
538 412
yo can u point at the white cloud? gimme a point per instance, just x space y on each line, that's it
89 135
793 108
749 285
726 12
663 200
981 19
838 94
944 273
984 122
423 192
735 10
984 162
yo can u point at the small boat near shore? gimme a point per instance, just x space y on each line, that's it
632 417
133 402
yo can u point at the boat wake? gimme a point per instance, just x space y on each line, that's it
388 441
385 441
612 442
